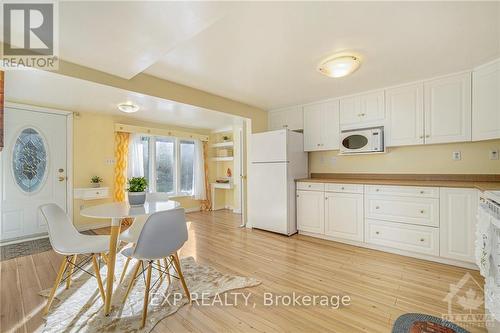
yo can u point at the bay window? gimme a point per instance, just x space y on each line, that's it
169 164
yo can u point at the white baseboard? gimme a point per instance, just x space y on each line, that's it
395 251
23 239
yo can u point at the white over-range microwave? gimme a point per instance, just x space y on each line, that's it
364 140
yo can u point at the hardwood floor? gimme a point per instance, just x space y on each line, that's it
381 286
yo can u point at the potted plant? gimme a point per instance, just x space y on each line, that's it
137 191
95 181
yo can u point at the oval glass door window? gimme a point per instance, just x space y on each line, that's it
355 141
29 160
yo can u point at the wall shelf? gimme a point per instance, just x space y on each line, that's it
223 144
222 159
91 193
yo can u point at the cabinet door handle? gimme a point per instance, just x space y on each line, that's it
342 188
421 137
377 207
297 195
422 211
422 192
427 136
377 232
421 239
326 198
376 190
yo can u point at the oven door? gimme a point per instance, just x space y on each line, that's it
356 142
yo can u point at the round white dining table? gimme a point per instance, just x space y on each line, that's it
116 211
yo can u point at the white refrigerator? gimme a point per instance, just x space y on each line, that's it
277 158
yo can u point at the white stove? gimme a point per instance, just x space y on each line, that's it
488 251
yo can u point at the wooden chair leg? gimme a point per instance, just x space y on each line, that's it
158 262
64 264
104 258
146 294
132 280
71 269
124 269
177 265
167 270
98 276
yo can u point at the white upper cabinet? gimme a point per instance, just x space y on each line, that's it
447 108
290 118
486 102
404 109
321 126
362 109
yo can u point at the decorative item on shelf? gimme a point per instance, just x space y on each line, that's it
137 191
95 181
226 138
229 173
222 181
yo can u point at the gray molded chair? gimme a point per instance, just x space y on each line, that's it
161 237
131 234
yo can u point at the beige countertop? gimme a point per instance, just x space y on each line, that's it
480 185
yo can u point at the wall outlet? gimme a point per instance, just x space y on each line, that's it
109 161
456 156
493 154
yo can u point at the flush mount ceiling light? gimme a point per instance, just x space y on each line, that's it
339 66
128 107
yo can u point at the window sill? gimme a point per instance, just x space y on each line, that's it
180 195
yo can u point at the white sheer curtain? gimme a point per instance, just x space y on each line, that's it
199 172
135 163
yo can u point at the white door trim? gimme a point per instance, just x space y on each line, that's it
69 145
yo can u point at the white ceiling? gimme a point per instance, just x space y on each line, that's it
61 92
265 53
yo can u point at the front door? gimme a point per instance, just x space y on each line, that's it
33 170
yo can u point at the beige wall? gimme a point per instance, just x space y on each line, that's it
414 159
150 85
93 136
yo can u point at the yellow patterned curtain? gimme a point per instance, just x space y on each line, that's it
121 154
206 205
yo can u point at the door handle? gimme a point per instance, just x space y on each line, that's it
61 178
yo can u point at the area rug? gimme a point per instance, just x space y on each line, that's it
80 308
22 249
422 323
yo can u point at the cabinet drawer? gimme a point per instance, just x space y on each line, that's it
91 193
306 186
405 191
402 236
344 188
421 211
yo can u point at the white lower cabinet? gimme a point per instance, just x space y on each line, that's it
407 237
310 211
458 223
420 211
344 215
438 222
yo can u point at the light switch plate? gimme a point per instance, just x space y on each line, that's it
456 156
493 154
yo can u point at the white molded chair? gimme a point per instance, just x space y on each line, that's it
66 240
162 236
131 235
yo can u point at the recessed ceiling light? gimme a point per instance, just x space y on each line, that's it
339 66
128 107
